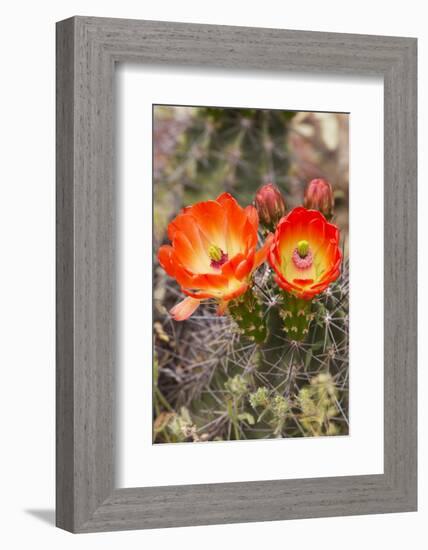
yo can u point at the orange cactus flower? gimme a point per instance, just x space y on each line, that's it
305 253
213 252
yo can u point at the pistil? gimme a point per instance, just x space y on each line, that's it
303 248
217 256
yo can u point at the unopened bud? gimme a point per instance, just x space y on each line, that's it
319 196
270 205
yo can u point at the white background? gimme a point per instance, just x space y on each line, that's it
143 464
27 274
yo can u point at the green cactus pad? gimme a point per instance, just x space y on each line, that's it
296 315
248 314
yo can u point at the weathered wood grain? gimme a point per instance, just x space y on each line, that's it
87 49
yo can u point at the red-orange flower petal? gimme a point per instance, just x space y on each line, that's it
184 309
253 216
262 254
165 258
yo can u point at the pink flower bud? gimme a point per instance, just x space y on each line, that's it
319 196
270 205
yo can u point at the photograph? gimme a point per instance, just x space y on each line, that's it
250 274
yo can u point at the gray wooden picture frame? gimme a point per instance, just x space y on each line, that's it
87 51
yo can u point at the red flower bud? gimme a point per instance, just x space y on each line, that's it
319 196
270 205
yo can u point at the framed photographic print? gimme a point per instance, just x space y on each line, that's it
236 274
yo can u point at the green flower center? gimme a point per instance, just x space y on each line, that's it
217 256
303 248
215 252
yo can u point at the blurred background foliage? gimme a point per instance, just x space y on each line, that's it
209 383
201 152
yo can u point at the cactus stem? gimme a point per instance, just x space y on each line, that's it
249 315
296 314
